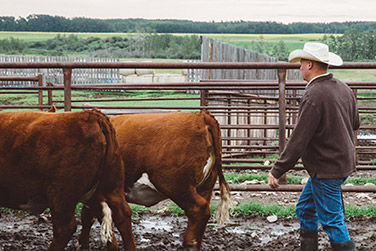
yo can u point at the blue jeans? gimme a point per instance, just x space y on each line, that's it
320 201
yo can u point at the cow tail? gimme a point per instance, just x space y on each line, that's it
109 162
225 203
110 135
106 226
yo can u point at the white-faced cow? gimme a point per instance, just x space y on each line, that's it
46 160
181 155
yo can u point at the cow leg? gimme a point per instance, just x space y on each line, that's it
197 210
88 215
122 217
87 219
64 225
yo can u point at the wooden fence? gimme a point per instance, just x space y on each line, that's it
55 76
217 51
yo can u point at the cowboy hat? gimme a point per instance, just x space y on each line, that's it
316 52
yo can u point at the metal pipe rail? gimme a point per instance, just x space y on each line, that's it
19 92
261 161
126 100
268 167
294 188
38 78
185 65
20 78
187 86
249 147
283 109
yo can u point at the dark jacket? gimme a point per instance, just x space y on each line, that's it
323 136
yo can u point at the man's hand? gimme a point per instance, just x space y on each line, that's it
272 181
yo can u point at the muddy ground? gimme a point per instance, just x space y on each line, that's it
156 232
160 232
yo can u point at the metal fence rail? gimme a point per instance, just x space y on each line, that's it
254 111
9 79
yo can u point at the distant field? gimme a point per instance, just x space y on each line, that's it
40 36
248 41
292 41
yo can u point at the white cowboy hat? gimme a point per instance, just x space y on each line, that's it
316 52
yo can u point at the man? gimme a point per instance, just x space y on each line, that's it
323 138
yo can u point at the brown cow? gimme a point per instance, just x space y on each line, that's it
181 155
46 160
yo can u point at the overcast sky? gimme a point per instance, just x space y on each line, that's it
285 11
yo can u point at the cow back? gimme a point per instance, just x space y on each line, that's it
44 153
164 145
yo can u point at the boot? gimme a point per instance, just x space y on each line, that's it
308 240
344 246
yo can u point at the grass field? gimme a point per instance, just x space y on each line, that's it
40 36
32 99
248 41
292 41
355 74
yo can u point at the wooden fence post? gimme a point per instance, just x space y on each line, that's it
282 115
355 91
50 101
229 104
205 93
249 120
40 92
67 72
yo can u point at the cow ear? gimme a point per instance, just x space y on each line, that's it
52 109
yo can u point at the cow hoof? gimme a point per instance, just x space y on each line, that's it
42 219
191 247
112 247
79 247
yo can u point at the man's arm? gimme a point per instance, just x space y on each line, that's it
308 121
356 124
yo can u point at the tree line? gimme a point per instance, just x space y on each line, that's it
353 45
146 45
49 23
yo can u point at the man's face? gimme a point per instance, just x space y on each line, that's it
304 68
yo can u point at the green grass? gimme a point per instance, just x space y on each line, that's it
4 210
247 41
157 60
355 74
243 209
137 209
32 99
130 95
35 36
292 41
174 209
259 208
291 179
236 38
353 211
241 177
361 180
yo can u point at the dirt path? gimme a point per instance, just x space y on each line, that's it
158 232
